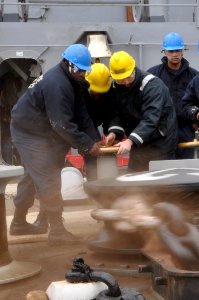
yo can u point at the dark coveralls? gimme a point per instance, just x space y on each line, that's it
145 113
190 101
46 122
177 81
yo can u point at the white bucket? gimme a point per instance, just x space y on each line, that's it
72 184
63 290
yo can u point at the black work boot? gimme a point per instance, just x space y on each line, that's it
19 225
58 235
42 221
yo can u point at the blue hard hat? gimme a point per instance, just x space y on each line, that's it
79 56
173 41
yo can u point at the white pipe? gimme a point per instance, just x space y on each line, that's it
61 290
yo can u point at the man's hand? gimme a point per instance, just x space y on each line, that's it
124 147
197 116
195 126
95 150
109 139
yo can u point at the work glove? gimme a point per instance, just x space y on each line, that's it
95 150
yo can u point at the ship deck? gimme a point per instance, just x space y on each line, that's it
57 261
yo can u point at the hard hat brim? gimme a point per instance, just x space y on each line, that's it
121 76
100 90
82 67
174 48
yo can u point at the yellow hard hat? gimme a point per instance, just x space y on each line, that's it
99 78
122 65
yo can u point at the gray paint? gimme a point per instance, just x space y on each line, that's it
46 41
50 28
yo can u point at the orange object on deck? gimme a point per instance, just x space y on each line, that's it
78 161
122 161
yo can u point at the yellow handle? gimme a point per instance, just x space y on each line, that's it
193 144
111 149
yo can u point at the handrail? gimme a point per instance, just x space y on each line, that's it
129 4
100 3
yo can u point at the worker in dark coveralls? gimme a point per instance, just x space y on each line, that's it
176 73
190 101
47 120
144 112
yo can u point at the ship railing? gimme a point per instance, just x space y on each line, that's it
133 7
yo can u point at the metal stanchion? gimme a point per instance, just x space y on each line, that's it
11 270
107 163
194 144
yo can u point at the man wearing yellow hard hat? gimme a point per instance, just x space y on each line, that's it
99 107
143 111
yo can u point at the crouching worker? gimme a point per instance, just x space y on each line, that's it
44 126
143 111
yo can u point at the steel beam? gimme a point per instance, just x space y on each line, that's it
88 2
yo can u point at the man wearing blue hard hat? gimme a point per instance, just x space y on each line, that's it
47 120
176 74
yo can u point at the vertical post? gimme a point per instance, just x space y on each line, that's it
129 14
10 269
140 56
5 257
196 150
197 13
107 166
